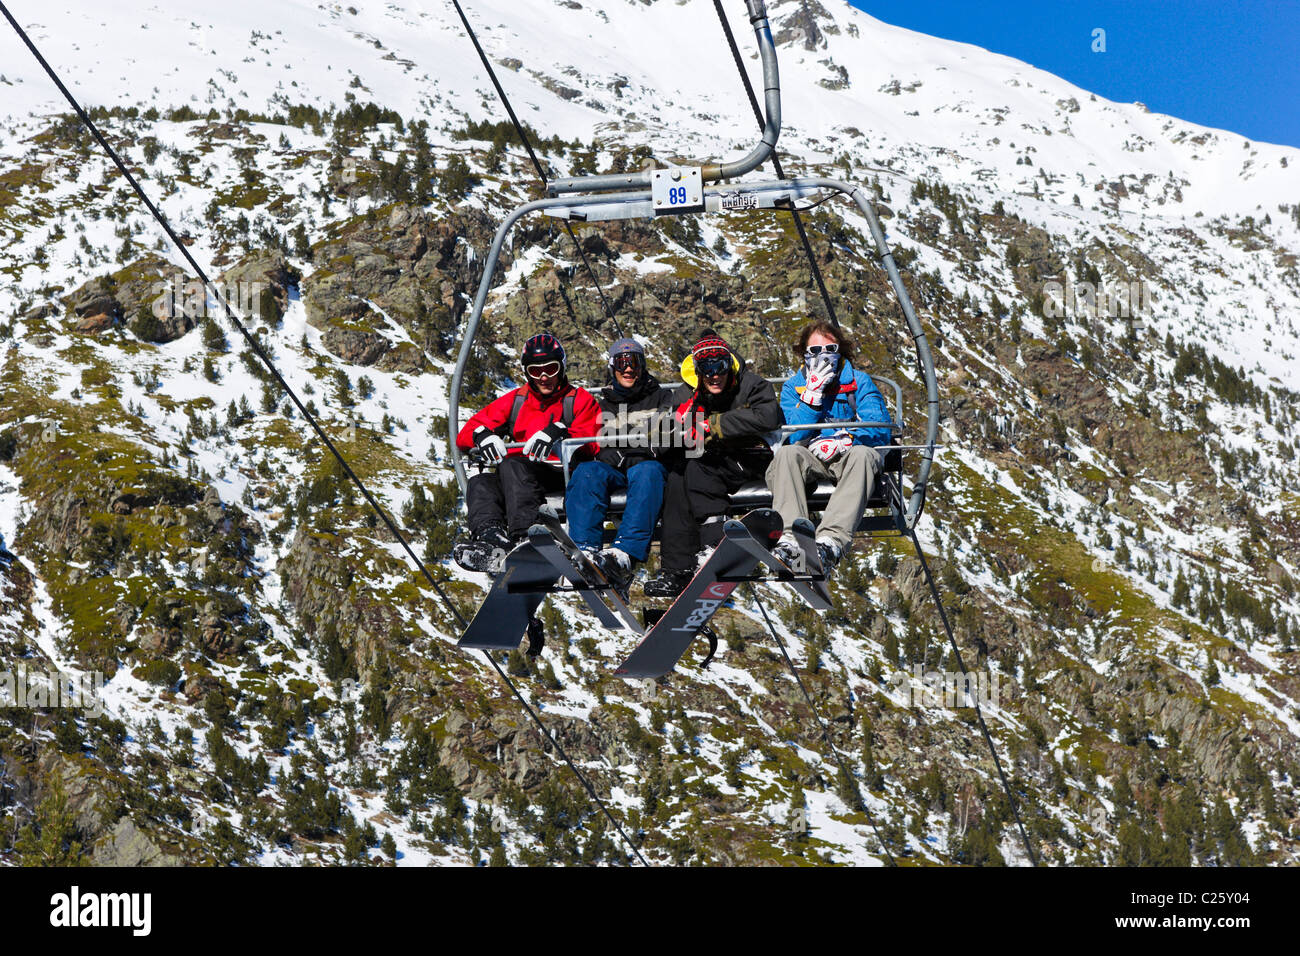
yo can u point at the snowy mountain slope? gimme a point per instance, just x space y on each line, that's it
1085 474
957 113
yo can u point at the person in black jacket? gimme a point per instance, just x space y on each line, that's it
629 406
729 409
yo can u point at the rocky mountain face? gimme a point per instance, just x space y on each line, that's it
1111 520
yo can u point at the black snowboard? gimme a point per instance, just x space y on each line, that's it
806 535
806 575
594 578
545 544
732 560
516 594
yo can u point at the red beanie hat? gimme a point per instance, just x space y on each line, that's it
710 345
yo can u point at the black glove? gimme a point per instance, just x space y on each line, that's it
539 446
492 445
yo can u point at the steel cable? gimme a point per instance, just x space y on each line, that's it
256 346
519 131
776 163
845 773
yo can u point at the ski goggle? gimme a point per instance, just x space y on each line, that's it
545 370
831 349
627 362
709 367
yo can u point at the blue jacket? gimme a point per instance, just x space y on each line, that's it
871 408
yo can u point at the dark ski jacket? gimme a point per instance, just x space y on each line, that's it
740 417
535 414
635 413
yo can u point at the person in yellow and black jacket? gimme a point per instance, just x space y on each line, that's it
725 411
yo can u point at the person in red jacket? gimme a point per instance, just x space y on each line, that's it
502 504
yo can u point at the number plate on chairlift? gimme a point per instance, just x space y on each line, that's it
737 200
677 189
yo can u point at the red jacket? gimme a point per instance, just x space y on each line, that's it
535 415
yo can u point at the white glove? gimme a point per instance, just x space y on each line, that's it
820 372
492 445
828 449
538 447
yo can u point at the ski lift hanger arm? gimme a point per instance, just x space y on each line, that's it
710 172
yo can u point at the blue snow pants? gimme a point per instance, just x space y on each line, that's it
590 487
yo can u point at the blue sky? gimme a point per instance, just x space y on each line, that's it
1231 64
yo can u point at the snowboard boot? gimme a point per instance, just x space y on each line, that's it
486 550
668 583
830 553
495 535
618 567
788 552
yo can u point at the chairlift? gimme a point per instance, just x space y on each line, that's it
693 190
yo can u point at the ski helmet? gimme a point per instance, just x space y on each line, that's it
542 348
626 352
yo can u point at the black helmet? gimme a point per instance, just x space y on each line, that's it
541 348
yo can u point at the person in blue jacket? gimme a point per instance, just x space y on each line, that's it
827 389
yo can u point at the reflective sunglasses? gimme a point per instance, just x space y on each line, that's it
819 349
545 370
710 367
627 362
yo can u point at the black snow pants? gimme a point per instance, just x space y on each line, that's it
510 495
697 491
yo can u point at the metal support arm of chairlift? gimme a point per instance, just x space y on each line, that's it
710 172
630 199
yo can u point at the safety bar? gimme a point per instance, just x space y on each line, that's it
895 426
709 172
569 445
838 426
473 454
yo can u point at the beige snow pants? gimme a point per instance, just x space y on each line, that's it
854 474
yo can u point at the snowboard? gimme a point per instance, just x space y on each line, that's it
806 535
590 575
545 545
731 562
806 576
512 602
